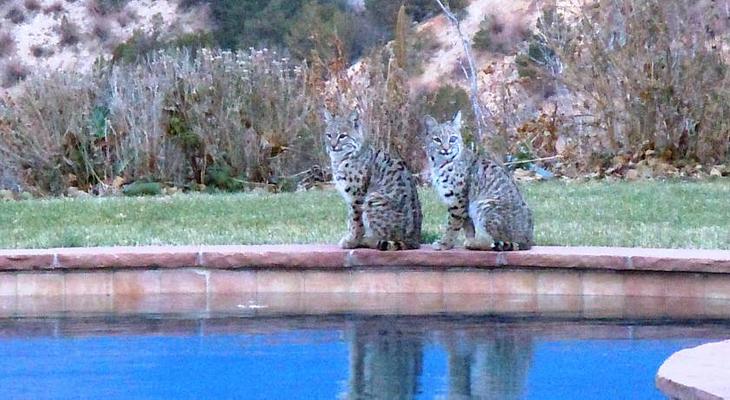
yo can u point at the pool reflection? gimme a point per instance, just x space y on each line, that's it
386 362
346 356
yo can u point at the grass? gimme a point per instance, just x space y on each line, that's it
649 214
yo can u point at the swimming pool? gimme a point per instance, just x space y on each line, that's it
340 355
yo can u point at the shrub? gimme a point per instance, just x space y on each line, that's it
14 72
177 119
446 101
137 47
15 15
54 8
483 39
127 16
142 189
104 7
101 29
68 32
500 34
141 45
384 12
39 51
323 30
7 44
379 89
32 5
56 141
537 59
186 4
651 74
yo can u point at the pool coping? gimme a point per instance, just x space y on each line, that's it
698 373
331 257
567 271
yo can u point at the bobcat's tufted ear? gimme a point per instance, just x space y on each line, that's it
456 122
327 115
354 119
430 123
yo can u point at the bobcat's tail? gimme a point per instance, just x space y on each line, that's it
391 245
511 246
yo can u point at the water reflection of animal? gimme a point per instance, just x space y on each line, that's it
488 368
386 360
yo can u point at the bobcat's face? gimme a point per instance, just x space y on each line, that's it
444 141
343 136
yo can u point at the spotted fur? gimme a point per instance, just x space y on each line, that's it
384 211
481 196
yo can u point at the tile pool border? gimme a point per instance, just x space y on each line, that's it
699 373
581 271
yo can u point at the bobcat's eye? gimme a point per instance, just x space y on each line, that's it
452 139
342 136
437 139
329 135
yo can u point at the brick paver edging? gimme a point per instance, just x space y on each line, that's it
699 373
329 257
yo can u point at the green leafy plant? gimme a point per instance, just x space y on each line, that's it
142 189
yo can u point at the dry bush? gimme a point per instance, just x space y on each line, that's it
101 29
246 113
46 130
68 32
7 44
40 51
15 15
13 72
653 75
32 5
55 7
127 16
218 118
500 34
97 8
378 88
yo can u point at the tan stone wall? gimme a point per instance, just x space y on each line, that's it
506 280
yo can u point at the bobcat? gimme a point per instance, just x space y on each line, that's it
480 194
383 208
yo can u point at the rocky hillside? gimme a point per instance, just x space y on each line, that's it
72 34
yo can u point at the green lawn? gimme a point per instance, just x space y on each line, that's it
651 214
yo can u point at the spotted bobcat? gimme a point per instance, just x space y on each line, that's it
479 192
383 208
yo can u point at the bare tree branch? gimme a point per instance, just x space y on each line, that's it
480 113
534 160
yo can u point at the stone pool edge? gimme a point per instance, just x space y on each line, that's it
328 256
599 271
698 373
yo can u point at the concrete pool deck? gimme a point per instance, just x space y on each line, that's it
568 271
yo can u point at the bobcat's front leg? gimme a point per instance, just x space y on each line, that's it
472 242
355 227
457 217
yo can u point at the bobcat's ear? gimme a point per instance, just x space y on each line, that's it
327 115
354 119
456 122
430 123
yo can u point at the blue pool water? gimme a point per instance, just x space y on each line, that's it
344 357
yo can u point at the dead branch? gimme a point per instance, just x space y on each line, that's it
480 113
533 160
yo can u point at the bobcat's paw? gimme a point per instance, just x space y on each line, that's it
439 245
474 244
503 246
348 242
